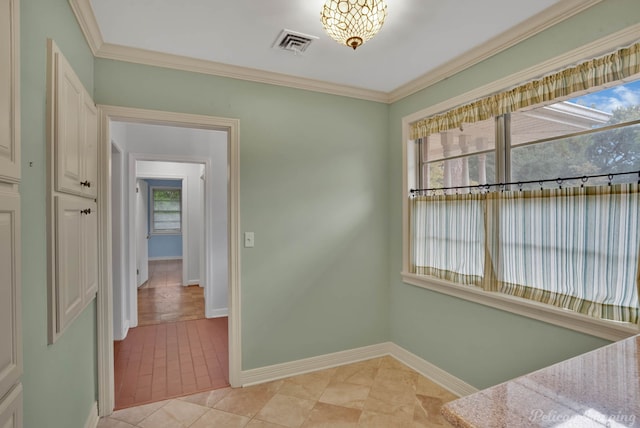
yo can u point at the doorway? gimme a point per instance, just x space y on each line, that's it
229 128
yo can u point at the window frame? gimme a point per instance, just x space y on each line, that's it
605 329
152 212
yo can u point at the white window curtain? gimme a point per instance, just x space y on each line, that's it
574 248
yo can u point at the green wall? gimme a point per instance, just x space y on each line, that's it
313 188
320 187
59 380
480 345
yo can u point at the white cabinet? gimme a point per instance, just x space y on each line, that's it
74 129
11 408
76 257
10 318
9 92
72 222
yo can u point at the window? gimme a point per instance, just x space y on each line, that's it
571 244
166 216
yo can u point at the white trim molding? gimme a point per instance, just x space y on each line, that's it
312 364
92 419
434 373
536 24
216 313
322 362
609 330
159 259
105 296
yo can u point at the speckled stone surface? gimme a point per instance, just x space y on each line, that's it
598 389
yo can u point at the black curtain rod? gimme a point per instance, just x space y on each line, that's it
486 187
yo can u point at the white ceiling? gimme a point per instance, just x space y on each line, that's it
418 36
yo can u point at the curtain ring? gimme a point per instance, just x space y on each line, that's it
540 182
584 179
610 176
520 185
559 181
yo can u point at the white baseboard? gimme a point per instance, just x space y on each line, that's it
121 335
153 259
432 372
298 367
92 419
216 313
193 282
293 368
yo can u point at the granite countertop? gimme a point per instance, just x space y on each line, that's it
598 389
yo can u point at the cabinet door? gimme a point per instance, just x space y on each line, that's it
90 252
9 92
11 409
68 279
10 301
90 149
69 129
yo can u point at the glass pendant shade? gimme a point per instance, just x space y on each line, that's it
353 22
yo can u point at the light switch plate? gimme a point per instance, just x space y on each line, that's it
249 241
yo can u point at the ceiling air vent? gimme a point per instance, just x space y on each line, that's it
293 41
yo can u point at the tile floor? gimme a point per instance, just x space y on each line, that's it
376 393
167 360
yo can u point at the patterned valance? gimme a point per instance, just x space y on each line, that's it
599 71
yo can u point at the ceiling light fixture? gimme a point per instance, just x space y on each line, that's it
353 22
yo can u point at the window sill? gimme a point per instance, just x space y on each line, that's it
604 329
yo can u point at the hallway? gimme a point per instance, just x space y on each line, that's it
162 298
174 351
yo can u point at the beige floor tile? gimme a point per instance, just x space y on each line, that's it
396 379
391 363
207 399
248 401
286 410
426 387
362 373
175 414
256 423
397 403
369 394
135 415
218 418
377 420
308 386
113 423
325 415
345 394
428 410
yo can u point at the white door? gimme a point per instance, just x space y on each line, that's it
142 232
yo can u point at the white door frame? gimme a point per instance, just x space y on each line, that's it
106 388
133 176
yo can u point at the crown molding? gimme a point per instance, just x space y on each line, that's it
88 23
178 62
538 23
602 46
549 17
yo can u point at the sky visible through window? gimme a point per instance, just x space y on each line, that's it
610 99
